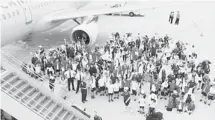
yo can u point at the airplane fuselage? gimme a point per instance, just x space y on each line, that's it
19 18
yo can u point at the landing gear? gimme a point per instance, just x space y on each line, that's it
131 14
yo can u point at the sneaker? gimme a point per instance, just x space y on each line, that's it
200 100
209 104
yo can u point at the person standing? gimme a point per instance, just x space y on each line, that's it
152 102
83 91
171 17
177 18
63 85
51 82
110 91
70 78
79 77
127 98
211 94
93 86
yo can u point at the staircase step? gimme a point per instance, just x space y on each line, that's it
59 115
24 92
10 85
34 99
45 109
64 117
50 109
41 103
71 116
54 112
7 75
10 80
30 95
18 87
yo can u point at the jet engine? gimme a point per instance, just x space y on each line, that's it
87 32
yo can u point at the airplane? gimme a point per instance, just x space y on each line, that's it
21 18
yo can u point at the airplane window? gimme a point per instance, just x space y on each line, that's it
4 17
9 15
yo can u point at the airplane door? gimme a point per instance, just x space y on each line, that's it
27 11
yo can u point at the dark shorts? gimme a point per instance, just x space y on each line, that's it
179 110
127 103
134 92
102 88
204 93
142 107
116 92
93 89
57 70
210 97
110 94
121 89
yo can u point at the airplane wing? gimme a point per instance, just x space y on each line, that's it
67 14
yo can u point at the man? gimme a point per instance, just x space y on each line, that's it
79 77
171 17
177 18
83 91
70 76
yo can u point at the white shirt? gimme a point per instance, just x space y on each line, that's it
212 90
37 69
110 88
152 103
68 73
101 82
78 75
134 85
116 87
164 84
142 102
93 82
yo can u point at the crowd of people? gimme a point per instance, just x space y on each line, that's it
124 66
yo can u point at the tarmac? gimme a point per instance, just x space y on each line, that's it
196 27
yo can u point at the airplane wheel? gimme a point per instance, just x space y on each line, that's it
131 14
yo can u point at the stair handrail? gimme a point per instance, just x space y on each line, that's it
21 64
39 77
30 99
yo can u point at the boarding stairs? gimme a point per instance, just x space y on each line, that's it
35 100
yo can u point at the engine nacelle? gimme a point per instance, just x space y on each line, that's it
87 32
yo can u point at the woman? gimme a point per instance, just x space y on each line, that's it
127 98
51 81
63 87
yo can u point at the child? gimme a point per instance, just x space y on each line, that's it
110 91
180 106
164 87
51 82
101 85
211 94
116 90
142 103
93 86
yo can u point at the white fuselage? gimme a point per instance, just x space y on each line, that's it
20 17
